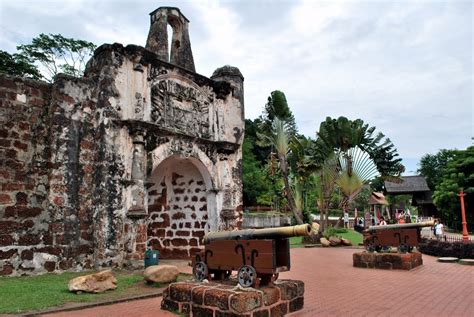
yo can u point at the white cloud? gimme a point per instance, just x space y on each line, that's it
404 67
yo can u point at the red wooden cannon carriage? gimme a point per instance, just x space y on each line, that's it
403 236
257 254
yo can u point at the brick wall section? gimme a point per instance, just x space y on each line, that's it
48 152
178 211
387 261
24 176
73 157
213 299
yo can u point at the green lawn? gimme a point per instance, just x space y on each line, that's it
296 242
27 293
352 236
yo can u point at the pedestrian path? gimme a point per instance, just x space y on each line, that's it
334 288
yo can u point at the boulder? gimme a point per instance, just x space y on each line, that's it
315 227
325 242
335 241
94 283
345 242
161 273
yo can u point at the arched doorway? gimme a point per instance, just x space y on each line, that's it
179 202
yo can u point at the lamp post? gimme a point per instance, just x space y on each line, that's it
465 236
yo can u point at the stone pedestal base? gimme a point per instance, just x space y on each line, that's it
213 299
387 261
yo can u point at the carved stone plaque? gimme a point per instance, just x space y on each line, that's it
181 107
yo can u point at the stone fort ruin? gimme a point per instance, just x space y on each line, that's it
142 151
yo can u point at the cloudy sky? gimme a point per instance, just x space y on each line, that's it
405 67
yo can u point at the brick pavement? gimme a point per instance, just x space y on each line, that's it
335 288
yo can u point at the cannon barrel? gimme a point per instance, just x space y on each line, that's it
267 233
402 226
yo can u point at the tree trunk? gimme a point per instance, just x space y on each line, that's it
289 196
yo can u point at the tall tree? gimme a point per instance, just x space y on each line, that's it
458 174
253 176
277 107
18 65
56 53
432 166
278 139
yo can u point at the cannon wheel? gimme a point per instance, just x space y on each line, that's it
247 276
200 271
403 248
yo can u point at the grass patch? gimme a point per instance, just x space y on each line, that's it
351 235
33 293
296 242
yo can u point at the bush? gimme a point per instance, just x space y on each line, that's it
330 232
442 249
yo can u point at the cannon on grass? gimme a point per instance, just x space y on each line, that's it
257 254
402 236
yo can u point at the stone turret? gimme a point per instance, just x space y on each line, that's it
180 54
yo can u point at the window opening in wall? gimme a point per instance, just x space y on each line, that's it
169 30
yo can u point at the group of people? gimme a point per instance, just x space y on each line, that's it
404 216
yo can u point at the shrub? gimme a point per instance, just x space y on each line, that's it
330 232
441 249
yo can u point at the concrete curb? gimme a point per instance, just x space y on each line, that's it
92 305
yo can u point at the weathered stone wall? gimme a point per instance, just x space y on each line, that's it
23 176
84 160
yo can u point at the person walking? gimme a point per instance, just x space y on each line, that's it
439 230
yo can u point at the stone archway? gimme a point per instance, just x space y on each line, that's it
179 202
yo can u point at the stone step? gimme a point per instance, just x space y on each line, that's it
447 259
466 261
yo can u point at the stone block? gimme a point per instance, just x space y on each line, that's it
7 254
197 295
185 308
261 313
199 311
271 295
245 301
279 310
6 240
181 292
27 255
7 269
218 298
170 305
50 266
387 261
219 313
288 289
296 304
384 265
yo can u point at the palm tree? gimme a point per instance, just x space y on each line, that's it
278 139
353 156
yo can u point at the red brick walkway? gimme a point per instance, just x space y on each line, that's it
335 288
